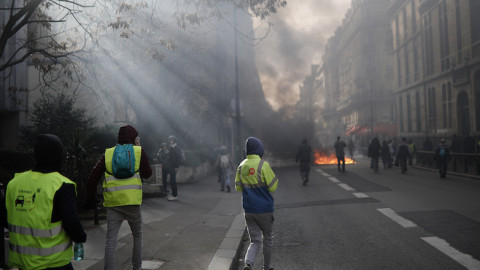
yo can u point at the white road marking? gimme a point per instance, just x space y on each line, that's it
360 195
397 218
319 170
326 174
334 180
464 259
346 187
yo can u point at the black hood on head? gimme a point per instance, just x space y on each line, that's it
127 135
48 153
254 146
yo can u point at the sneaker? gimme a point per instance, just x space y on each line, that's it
247 267
172 198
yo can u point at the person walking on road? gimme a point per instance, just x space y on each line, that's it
304 155
256 180
386 158
225 164
403 154
122 192
374 152
42 201
171 167
162 157
412 148
442 156
340 152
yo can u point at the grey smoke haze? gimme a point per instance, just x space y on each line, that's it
296 41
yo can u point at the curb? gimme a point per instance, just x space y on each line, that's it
227 253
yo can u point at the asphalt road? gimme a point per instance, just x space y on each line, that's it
363 220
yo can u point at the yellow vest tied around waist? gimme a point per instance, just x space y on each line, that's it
119 192
36 242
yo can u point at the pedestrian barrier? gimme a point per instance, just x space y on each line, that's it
467 163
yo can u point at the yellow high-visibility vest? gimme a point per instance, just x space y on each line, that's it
119 192
36 242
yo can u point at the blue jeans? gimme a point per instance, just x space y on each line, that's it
226 177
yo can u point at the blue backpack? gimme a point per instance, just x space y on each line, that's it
442 153
123 161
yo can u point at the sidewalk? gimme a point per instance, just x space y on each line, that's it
202 230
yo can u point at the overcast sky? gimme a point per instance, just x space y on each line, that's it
296 41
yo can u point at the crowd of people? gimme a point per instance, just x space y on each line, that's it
40 205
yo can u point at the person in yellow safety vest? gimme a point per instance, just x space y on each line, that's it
122 197
41 212
256 180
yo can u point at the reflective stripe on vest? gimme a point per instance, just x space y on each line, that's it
35 232
41 251
36 242
111 178
118 188
119 192
260 183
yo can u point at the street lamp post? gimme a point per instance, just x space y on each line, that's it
237 141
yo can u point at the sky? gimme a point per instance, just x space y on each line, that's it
296 41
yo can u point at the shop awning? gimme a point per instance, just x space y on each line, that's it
351 131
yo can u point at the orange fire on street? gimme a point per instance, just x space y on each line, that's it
328 158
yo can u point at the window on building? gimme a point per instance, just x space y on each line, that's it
432 110
407 66
458 19
416 69
447 105
418 111
443 27
397 32
476 85
399 69
405 24
428 30
400 112
475 21
414 18
409 114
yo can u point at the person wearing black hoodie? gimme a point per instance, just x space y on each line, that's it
121 205
44 177
256 180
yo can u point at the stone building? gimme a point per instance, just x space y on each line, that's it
358 74
436 56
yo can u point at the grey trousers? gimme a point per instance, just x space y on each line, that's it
115 217
259 228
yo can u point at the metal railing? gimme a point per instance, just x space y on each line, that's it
467 163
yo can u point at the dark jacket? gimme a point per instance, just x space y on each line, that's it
174 157
340 148
403 151
126 135
438 156
304 153
374 149
49 156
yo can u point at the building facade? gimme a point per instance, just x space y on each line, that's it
358 72
436 56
